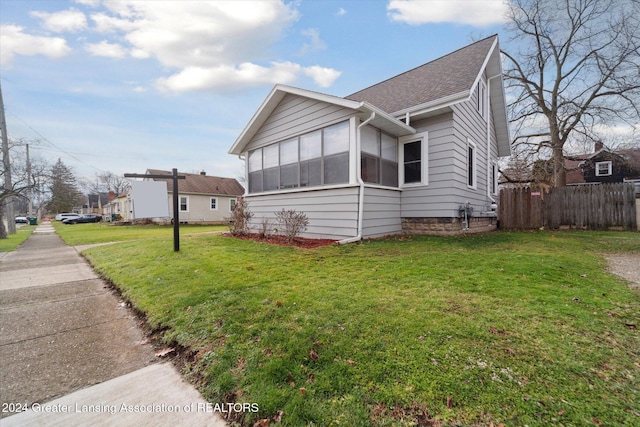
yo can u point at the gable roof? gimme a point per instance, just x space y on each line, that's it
381 119
430 88
195 183
443 82
453 74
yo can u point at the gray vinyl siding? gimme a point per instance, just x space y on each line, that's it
200 208
297 115
438 198
381 212
332 213
470 124
447 187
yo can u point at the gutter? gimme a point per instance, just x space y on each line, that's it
489 184
358 237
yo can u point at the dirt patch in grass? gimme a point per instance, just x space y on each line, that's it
626 266
275 239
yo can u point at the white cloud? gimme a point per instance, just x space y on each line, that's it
71 20
104 48
471 12
315 42
211 45
90 3
198 34
324 77
228 77
13 41
341 12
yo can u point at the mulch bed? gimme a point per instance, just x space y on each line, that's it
275 239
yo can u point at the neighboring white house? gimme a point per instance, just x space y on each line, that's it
416 153
118 209
202 199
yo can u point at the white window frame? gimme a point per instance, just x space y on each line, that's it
232 204
494 178
482 99
609 165
212 199
474 165
180 203
423 137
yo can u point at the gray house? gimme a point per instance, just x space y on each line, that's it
416 153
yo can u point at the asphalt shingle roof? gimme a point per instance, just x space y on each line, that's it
202 184
448 75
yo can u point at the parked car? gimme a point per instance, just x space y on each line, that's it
62 216
22 220
83 219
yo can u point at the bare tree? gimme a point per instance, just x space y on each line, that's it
573 68
107 181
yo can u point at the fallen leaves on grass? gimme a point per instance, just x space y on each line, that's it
165 351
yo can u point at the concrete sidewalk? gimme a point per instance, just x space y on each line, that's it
71 354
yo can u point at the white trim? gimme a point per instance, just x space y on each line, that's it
423 138
609 165
210 199
180 203
474 147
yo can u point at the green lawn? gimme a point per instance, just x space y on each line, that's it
513 328
14 240
85 234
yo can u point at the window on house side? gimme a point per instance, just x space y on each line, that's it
317 158
471 165
184 204
412 162
494 179
379 157
232 204
213 204
482 99
603 168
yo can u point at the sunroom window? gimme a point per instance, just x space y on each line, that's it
316 158
379 157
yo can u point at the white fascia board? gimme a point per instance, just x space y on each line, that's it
427 107
271 102
390 123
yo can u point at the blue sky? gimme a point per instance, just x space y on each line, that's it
123 86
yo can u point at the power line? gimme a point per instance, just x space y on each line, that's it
45 139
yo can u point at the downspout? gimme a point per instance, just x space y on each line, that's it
358 237
489 184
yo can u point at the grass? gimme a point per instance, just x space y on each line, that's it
85 234
513 328
15 240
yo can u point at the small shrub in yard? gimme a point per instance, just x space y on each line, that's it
292 222
240 218
265 227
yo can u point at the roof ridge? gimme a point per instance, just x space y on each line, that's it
422 65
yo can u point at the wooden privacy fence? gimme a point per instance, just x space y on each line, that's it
594 207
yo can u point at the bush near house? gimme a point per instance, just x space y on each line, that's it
512 328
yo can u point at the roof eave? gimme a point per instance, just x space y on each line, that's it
276 95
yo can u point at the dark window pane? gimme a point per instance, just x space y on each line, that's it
412 151
271 179
389 173
412 172
336 169
311 173
370 169
470 161
289 176
255 182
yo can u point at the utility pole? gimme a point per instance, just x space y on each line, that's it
6 161
30 194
